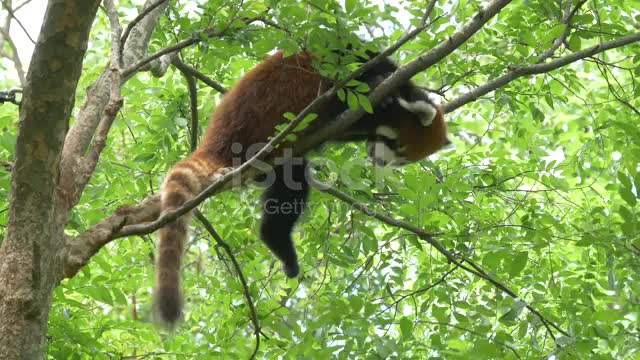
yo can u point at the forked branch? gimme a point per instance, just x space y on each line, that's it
538 69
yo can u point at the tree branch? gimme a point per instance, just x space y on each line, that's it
112 108
141 15
193 107
401 298
538 69
427 12
79 250
190 71
13 16
406 72
15 57
194 39
82 133
15 9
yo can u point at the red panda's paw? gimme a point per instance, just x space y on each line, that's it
291 269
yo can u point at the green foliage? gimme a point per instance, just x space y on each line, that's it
541 190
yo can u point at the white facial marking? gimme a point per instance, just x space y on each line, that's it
429 116
427 110
387 132
382 154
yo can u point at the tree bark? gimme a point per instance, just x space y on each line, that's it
32 251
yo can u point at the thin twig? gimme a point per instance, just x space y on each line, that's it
192 87
12 15
576 8
475 333
612 90
236 265
181 45
460 261
427 12
15 9
440 280
566 20
209 33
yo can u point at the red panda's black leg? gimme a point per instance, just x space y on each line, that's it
282 204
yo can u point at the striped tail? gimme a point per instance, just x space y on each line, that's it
183 182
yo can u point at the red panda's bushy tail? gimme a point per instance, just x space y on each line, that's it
183 182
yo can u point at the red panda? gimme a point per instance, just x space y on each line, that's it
407 127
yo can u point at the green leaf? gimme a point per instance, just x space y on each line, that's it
406 327
628 196
352 101
356 303
554 33
575 43
518 263
305 122
364 102
350 5
484 349
353 83
362 88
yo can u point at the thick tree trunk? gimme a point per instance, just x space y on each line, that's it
31 254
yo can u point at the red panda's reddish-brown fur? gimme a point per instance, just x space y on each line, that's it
248 115
249 112
422 141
